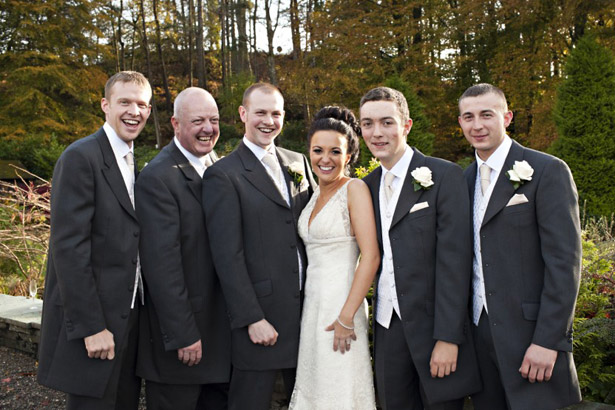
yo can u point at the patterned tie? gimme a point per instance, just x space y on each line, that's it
130 161
485 178
388 185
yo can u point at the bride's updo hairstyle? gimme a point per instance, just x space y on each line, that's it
341 120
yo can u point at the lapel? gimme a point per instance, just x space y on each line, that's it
471 180
112 174
374 188
193 180
408 196
257 175
503 190
289 183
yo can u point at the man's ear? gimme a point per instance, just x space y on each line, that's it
508 116
104 104
407 127
242 113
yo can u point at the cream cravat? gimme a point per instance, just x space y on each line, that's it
388 185
274 167
130 161
485 177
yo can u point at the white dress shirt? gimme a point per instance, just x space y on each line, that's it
495 162
387 292
198 163
120 149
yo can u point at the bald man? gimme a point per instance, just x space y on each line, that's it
184 347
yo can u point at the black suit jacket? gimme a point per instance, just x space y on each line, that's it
91 268
254 245
531 256
183 301
432 253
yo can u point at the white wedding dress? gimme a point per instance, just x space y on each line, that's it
327 379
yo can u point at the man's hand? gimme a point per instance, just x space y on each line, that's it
262 333
192 354
443 359
100 345
538 363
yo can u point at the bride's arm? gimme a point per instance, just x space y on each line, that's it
363 224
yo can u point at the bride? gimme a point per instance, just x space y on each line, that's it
334 368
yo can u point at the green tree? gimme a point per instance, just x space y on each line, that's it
585 120
420 136
49 84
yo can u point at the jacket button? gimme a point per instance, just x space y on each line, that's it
296 270
293 246
131 288
124 315
136 233
134 261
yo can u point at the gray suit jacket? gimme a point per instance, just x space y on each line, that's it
183 301
432 255
254 245
91 267
531 255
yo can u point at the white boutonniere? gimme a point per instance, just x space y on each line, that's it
421 178
520 173
295 170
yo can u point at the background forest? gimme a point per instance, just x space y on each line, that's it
553 58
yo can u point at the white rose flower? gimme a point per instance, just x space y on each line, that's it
513 176
523 170
296 168
422 176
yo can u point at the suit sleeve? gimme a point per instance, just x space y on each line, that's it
557 215
73 204
453 257
223 217
161 261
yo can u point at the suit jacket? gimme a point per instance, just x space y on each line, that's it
254 239
184 302
432 255
91 268
531 256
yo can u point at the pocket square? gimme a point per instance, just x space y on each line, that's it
517 199
419 206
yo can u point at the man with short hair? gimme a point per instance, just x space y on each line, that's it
527 261
184 352
89 325
252 200
424 356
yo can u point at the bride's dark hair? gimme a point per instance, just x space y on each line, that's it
338 119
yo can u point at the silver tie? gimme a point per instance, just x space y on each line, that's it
274 167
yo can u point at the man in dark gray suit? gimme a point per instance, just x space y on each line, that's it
423 351
252 200
89 325
527 260
184 343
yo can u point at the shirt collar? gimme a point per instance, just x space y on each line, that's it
496 160
258 151
401 167
119 147
197 162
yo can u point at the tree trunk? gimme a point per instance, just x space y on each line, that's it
119 36
165 80
149 76
200 67
295 29
270 33
242 36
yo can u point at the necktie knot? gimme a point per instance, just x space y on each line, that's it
485 177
